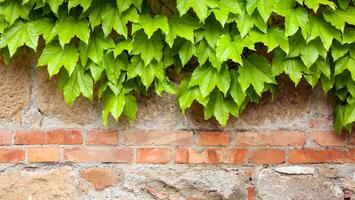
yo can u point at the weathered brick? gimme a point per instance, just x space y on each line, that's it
251 192
5 137
319 156
58 136
98 154
275 138
43 154
182 155
268 156
101 178
328 138
209 138
153 155
102 137
11 155
148 137
211 156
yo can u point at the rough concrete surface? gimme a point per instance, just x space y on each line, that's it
15 87
170 182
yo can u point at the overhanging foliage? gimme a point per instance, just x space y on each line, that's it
227 51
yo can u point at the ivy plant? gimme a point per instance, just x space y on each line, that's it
225 53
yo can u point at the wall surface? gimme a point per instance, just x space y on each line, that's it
285 149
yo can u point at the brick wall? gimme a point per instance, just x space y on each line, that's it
281 149
175 147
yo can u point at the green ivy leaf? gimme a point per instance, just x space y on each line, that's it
3 25
208 78
343 4
151 25
44 26
186 52
55 57
220 107
339 50
79 83
265 7
111 20
314 4
122 46
20 34
339 17
113 67
187 95
96 71
311 51
349 36
291 66
148 49
210 32
317 27
228 48
147 73
236 91
183 27
124 5
130 107
346 62
349 114
256 71
54 4
224 8
69 28
199 7
12 10
339 118
84 4
273 38
114 104
295 18
95 48
164 85
204 52
245 22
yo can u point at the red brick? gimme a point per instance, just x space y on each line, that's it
98 154
11 155
5 137
153 155
275 138
214 138
211 156
182 155
145 137
49 137
102 137
319 156
251 192
268 156
101 178
43 154
328 138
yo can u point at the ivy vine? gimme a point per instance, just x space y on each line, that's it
226 53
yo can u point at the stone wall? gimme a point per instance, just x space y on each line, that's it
281 149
